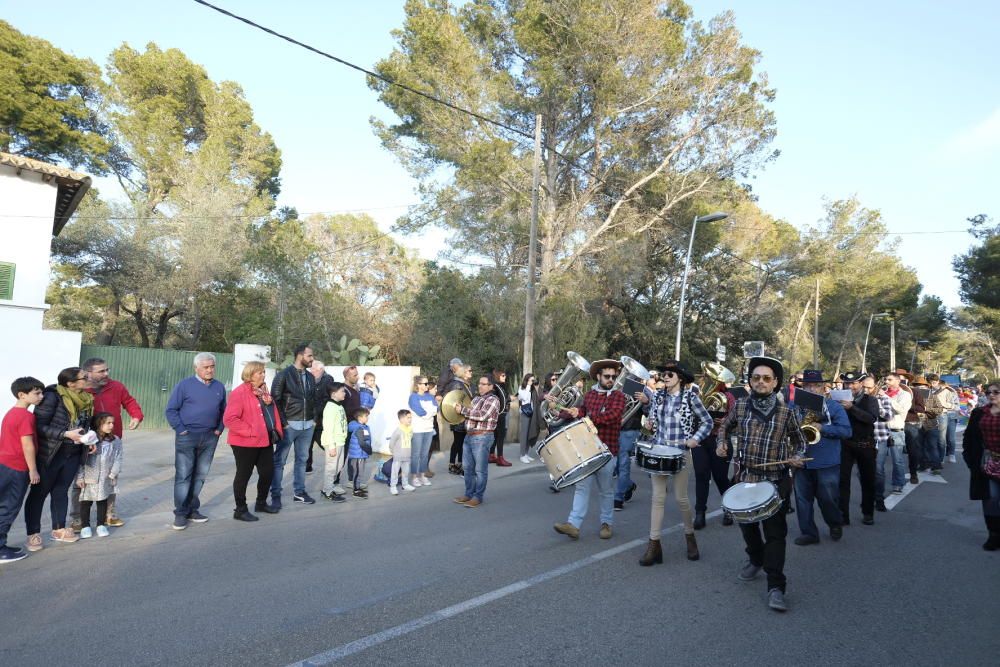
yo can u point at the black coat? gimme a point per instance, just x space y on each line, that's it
51 421
295 399
972 452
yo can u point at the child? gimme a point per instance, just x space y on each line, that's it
97 477
18 466
332 441
400 445
368 391
359 448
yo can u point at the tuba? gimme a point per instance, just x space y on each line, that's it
564 393
714 374
631 370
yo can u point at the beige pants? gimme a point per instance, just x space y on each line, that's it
659 483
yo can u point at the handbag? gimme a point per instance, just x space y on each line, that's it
527 410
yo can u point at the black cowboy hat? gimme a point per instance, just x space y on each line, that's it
773 364
813 376
598 366
852 376
677 367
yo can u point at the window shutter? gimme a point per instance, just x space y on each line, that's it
6 280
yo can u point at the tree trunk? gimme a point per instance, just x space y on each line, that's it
162 324
140 325
843 343
798 329
197 327
109 322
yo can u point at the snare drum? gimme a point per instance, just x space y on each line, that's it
659 459
574 453
750 502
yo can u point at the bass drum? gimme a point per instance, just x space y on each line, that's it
573 453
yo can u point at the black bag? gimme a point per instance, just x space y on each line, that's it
527 410
273 437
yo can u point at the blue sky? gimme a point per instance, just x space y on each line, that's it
895 102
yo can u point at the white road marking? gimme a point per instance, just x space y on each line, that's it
365 643
894 499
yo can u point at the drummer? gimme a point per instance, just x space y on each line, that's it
678 419
605 408
767 432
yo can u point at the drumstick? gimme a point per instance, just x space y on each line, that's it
781 463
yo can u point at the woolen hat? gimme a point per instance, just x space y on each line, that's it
773 364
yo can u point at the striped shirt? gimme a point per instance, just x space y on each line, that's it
483 413
761 439
673 416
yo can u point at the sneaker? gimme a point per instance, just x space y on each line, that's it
65 535
360 493
605 531
897 490
524 459
868 520
913 479
416 482
35 542
530 460
339 490
425 481
115 522
8 555
749 572
567 529
880 506
180 523
276 501
619 505
102 531
338 498
951 458
264 508
409 487
776 600
936 471
197 517
86 533
836 532
393 490
303 498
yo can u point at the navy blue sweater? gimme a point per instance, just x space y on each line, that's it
196 407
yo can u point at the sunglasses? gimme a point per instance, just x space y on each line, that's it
609 377
669 374
762 378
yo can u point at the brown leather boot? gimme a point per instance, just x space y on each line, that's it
692 545
654 554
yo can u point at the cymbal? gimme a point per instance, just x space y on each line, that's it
448 403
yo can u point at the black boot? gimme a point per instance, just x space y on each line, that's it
699 520
993 541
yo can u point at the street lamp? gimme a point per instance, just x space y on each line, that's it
913 359
864 354
712 217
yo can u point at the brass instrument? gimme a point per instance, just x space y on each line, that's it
810 427
564 392
631 369
714 374
448 403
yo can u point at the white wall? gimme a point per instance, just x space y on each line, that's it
242 353
27 205
395 384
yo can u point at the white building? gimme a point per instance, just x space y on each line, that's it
36 201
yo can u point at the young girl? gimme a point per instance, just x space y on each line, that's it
97 477
401 444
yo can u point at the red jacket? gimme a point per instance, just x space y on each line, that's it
245 419
114 397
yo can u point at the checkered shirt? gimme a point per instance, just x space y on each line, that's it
776 437
665 418
884 415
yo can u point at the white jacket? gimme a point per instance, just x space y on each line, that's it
900 406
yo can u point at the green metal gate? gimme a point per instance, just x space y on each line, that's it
150 374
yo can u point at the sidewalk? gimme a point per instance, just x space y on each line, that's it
146 485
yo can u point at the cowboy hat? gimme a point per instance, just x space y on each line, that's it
597 366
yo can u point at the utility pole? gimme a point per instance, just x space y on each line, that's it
816 330
529 306
892 343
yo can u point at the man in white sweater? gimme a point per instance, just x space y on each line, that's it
899 401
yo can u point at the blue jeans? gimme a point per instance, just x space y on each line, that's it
947 424
193 453
13 488
300 441
420 450
930 440
893 448
475 461
823 484
623 466
605 490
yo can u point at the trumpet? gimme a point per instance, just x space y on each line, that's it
810 428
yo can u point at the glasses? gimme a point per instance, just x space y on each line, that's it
609 377
762 378
669 374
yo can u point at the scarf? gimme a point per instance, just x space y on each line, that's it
262 393
407 433
77 403
891 393
763 404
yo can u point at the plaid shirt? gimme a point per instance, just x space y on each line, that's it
483 413
884 415
665 418
605 410
764 440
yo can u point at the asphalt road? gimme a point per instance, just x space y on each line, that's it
418 580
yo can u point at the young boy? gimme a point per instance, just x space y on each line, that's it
368 391
400 446
359 448
332 440
18 466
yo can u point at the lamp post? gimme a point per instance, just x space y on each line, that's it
864 354
712 217
913 359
